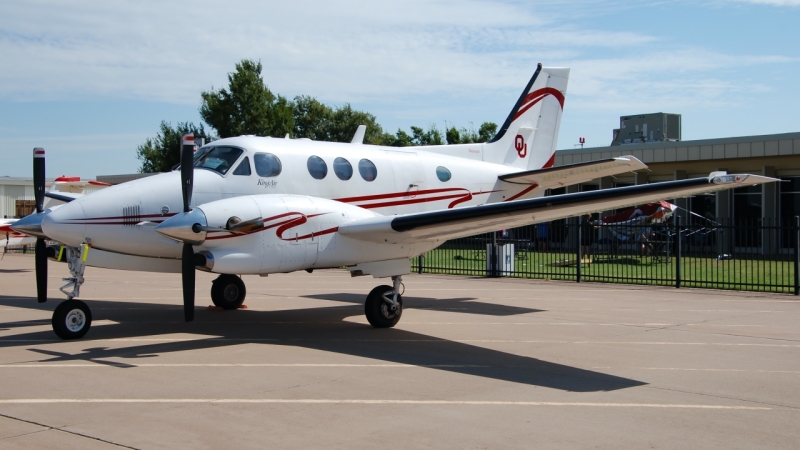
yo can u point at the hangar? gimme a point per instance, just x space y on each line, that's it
775 155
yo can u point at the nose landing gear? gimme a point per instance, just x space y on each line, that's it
384 305
73 318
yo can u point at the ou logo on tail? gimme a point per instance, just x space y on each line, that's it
520 146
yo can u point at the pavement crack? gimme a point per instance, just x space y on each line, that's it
757 402
61 429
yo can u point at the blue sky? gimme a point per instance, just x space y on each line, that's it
91 80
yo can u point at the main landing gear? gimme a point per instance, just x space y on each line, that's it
228 291
384 305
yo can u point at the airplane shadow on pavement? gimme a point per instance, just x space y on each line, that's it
464 305
322 328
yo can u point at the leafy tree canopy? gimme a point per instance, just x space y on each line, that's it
463 136
319 122
418 136
247 106
161 153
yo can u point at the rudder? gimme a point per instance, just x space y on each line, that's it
529 135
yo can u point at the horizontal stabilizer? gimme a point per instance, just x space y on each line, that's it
461 222
556 177
65 197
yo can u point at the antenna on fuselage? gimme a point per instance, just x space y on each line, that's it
358 138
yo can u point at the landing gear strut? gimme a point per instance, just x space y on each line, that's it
384 305
73 318
228 291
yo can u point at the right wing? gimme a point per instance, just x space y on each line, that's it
461 222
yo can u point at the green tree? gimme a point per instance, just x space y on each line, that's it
486 131
161 153
311 118
317 121
417 137
247 106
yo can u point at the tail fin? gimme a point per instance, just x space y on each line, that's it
529 135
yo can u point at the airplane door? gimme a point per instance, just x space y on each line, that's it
408 173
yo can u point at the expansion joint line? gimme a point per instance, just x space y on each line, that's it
75 433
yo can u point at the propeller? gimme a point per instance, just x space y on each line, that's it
191 226
41 245
187 256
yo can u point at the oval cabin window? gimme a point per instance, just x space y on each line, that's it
267 165
367 170
342 169
317 167
442 173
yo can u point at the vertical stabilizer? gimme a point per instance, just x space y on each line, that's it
529 135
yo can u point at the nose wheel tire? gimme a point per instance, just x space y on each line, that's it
379 309
228 291
72 319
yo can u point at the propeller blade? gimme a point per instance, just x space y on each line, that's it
187 169
41 270
188 274
38 178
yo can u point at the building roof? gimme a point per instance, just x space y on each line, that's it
706 149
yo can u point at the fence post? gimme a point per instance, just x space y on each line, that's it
580 251
493 262
678 250
796 255
420 259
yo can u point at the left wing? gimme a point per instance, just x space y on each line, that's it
65 197
455 223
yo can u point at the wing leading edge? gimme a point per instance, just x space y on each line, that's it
462 222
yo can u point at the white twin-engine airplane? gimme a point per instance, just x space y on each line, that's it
260 205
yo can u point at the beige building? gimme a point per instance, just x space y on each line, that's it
776 155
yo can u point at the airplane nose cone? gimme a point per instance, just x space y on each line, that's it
66 224
31 225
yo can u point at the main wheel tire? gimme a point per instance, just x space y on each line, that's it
228 291
72 319
378 311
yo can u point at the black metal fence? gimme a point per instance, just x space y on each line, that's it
745 255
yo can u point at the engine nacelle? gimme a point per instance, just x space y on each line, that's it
296 231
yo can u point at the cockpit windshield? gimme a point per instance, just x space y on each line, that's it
218 159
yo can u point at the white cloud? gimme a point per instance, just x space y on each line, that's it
344 51
414 58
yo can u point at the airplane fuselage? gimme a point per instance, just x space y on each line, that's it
362 180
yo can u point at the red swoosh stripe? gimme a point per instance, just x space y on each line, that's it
460 194
522 192
292 219
537 96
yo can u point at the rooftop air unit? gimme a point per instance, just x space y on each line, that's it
656 127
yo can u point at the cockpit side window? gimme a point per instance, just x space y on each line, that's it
243 168
267 165
218 159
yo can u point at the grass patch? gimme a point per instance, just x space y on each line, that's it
740 274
